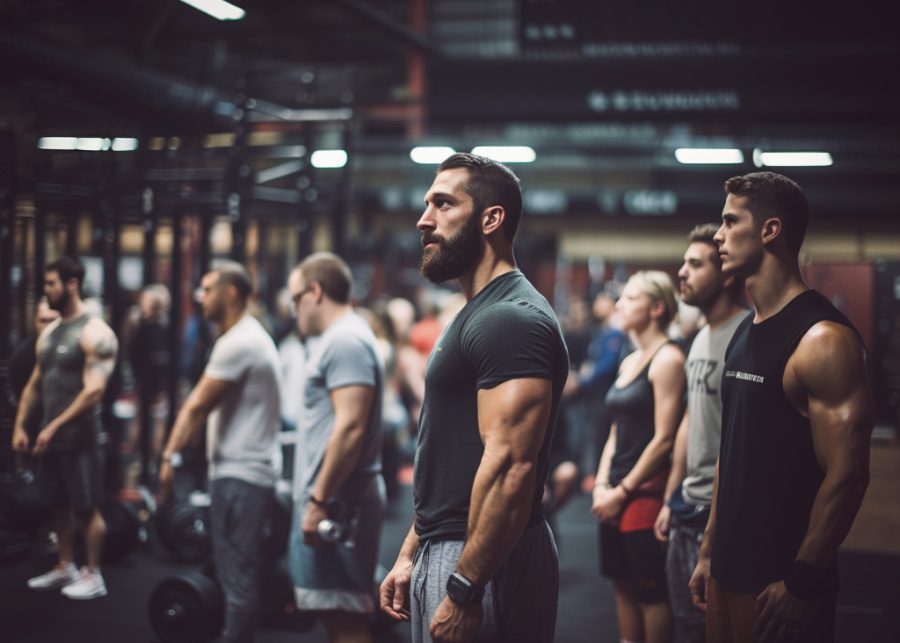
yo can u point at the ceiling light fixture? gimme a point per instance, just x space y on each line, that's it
124 144
506 153
218 9
792 159
328 158
425 155
709 156
57 143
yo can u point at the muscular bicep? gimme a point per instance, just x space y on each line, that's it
828 368
513 417
100 348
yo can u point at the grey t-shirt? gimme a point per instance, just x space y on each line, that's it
704 376
345 354
242 437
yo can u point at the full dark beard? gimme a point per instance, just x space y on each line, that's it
454 256
60 304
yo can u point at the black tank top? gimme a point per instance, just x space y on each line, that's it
768 473
632 409
62 378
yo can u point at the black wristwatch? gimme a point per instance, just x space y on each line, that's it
462 591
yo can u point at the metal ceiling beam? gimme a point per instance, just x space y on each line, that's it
125 83
397 29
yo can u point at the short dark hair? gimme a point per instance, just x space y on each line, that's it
490 183
231 273
705 233
774 195
331 273
67 268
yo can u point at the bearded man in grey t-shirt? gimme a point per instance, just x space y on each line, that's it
689 489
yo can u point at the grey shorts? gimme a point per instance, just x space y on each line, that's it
519 602
340 576
72 477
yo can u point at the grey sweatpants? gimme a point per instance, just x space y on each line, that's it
238 512
519 602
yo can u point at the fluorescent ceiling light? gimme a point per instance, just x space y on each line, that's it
124 144
506 153
92 144
430 155
708 156
57 143
218 9
329 158
792 159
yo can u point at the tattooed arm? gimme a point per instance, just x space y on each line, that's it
100 346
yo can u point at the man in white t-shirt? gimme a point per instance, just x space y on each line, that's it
689 490
240 396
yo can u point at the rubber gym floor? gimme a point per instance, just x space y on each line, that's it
868 608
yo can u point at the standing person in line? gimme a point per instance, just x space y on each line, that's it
22 361
76 356
689 489
480 560
645 404
598 374
797 416
239 394
338 464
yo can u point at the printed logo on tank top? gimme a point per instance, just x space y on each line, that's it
747 377
700 375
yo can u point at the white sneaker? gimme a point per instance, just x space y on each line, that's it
89 585
55 578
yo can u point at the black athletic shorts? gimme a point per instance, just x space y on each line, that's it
73 477
636 556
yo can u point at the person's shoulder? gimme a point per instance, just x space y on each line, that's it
669 358
828 339
97 333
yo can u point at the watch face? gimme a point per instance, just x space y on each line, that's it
458 591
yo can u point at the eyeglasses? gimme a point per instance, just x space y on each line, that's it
296 298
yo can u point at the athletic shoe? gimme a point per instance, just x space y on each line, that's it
55 578
89 585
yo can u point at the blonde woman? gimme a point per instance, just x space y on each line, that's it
645 404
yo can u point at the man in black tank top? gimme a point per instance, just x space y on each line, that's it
796 419
75 357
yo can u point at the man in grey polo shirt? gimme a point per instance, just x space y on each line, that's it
240 394
689 490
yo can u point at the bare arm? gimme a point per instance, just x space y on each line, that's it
676 477
27 401
512 419
204 397
826 379
352 406
699 583
841 414
395 587
100 346
668 380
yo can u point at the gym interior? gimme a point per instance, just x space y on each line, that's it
153 141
